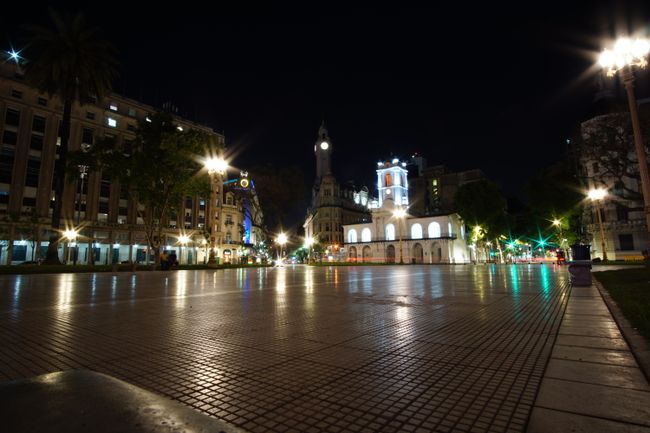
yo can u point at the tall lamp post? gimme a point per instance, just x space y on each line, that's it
309 242
217 168
625 55
83 170
183 240
282 239
596 196
71 236
400 214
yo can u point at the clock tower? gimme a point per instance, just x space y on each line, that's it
323 151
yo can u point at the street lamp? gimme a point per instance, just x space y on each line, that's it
70 235
282 239
309 242
217 168
83 170
400 214
183 240
626 54
596 195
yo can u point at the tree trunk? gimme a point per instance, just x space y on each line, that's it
52 257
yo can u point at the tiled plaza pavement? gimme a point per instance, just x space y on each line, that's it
386 348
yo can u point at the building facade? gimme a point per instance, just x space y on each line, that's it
109 220
333 204
624 227
390 237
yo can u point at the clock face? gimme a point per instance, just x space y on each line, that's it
244 183
324 145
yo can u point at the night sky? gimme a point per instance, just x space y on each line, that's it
496 89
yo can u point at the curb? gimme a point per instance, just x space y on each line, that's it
638 345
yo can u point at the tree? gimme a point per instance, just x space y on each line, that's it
483 208
279 191
480 203
69 60
555 194
163 167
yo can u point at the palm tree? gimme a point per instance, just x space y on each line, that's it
69 60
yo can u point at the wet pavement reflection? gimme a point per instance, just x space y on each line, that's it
382 348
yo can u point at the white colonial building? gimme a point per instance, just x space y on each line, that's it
394 237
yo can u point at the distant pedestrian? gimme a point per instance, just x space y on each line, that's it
173 260
164 261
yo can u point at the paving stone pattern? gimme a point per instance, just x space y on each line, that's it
302 349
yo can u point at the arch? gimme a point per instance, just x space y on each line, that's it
416 231
418 253
352 255
390 232
366 253
366 235
388 180
449 231
390 254
436 253
434 230
352 236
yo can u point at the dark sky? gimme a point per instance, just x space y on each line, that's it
496 88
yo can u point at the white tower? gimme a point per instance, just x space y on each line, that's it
392 182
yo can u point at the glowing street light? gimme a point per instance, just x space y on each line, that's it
217 168
400 214
71 236
282 239
309 242
625 55
183 240
596 195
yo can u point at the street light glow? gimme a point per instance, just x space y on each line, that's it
183 239
282 239
216 165
597 194
626 52
399 213
70 234
556 222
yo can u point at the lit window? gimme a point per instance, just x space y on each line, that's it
416 231
111 122
113 106
434 230
366 235
180 128
352 236
390 232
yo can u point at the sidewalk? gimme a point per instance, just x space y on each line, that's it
592 382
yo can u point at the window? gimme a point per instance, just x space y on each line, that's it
229 199
38 124
92 99
7 155
132 112
42 101
10 137
103 207
595 168
366 236
130 127
228 219
449 231
416 231
111 122
626 242
389 179
112 106
29 201
327 192
127 146
188 203
33 170
90 115
17 94
434 230
390 232
352 236
36 142
622 213
87 136
435 191
105 188
12 117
